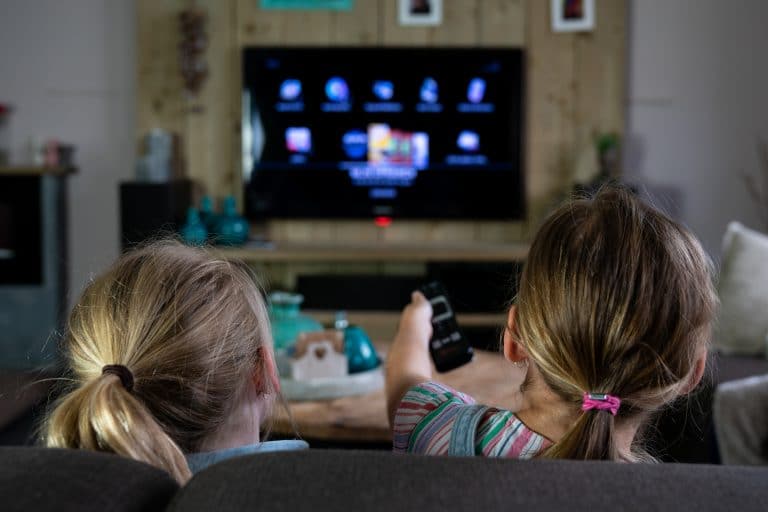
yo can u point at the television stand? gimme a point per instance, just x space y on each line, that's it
372 281
383 252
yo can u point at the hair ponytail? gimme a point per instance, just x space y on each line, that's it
102 415
193 330
590 438
614 296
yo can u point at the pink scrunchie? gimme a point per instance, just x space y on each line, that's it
601 402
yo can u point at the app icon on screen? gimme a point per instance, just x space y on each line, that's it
428 91
420 149
383 90
337 90
298 139
468 141
290 89
355 144
379 142
476 90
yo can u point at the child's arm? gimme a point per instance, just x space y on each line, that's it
408 361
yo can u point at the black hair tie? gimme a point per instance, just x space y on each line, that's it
126 377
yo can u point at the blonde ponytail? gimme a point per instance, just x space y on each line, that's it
102 415
193 333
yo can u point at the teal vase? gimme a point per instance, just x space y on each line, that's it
286 319
231 228
361 356
207 214
193 232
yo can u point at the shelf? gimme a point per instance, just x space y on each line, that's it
377 252
382 325
391 318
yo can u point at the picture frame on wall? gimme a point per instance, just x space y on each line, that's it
420 12
573 15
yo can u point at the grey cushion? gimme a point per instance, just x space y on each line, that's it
740 412
742 323
381 481
42 479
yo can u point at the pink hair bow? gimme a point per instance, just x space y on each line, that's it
601 402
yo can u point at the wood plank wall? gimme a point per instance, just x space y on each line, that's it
575 88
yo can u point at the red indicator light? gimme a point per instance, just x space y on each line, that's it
383 222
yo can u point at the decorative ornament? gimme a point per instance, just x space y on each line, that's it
194 42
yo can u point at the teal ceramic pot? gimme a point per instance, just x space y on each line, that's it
361 356
231 228
287 320
193 232
207 214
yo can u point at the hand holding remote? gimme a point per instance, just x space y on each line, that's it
447 346
416 319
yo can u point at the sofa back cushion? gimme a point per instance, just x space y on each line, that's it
382 481
42 479
742 324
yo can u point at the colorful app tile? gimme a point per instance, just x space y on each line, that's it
420 149
468 141
384 90
378 142
476 90
337 90
290 90
429 90
298 139
355 144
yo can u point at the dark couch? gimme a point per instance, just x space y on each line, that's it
45 479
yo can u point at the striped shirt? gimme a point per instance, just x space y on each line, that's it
427 413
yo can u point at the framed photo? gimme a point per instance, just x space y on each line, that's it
420 12
573 15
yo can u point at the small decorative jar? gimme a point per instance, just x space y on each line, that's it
231 228
193 232
207 214
287 320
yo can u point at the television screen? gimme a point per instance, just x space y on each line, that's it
397 132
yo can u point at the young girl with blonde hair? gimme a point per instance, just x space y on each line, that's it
611 322
171 362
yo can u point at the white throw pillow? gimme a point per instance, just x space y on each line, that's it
743 289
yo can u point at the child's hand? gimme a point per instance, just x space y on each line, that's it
408 360
416 320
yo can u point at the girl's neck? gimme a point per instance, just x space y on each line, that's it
544 412
241 428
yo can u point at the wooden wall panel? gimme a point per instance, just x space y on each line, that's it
212 132
393 34
599 58
207 123
358 27
460 24
160 101
575 87
502 22
278 27
551 89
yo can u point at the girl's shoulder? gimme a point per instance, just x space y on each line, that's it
427 413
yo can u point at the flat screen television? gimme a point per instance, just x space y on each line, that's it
334 132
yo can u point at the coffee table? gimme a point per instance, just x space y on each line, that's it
489 378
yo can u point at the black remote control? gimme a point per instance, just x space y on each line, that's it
448 347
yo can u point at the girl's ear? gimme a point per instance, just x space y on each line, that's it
265 375
513 351
697 374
